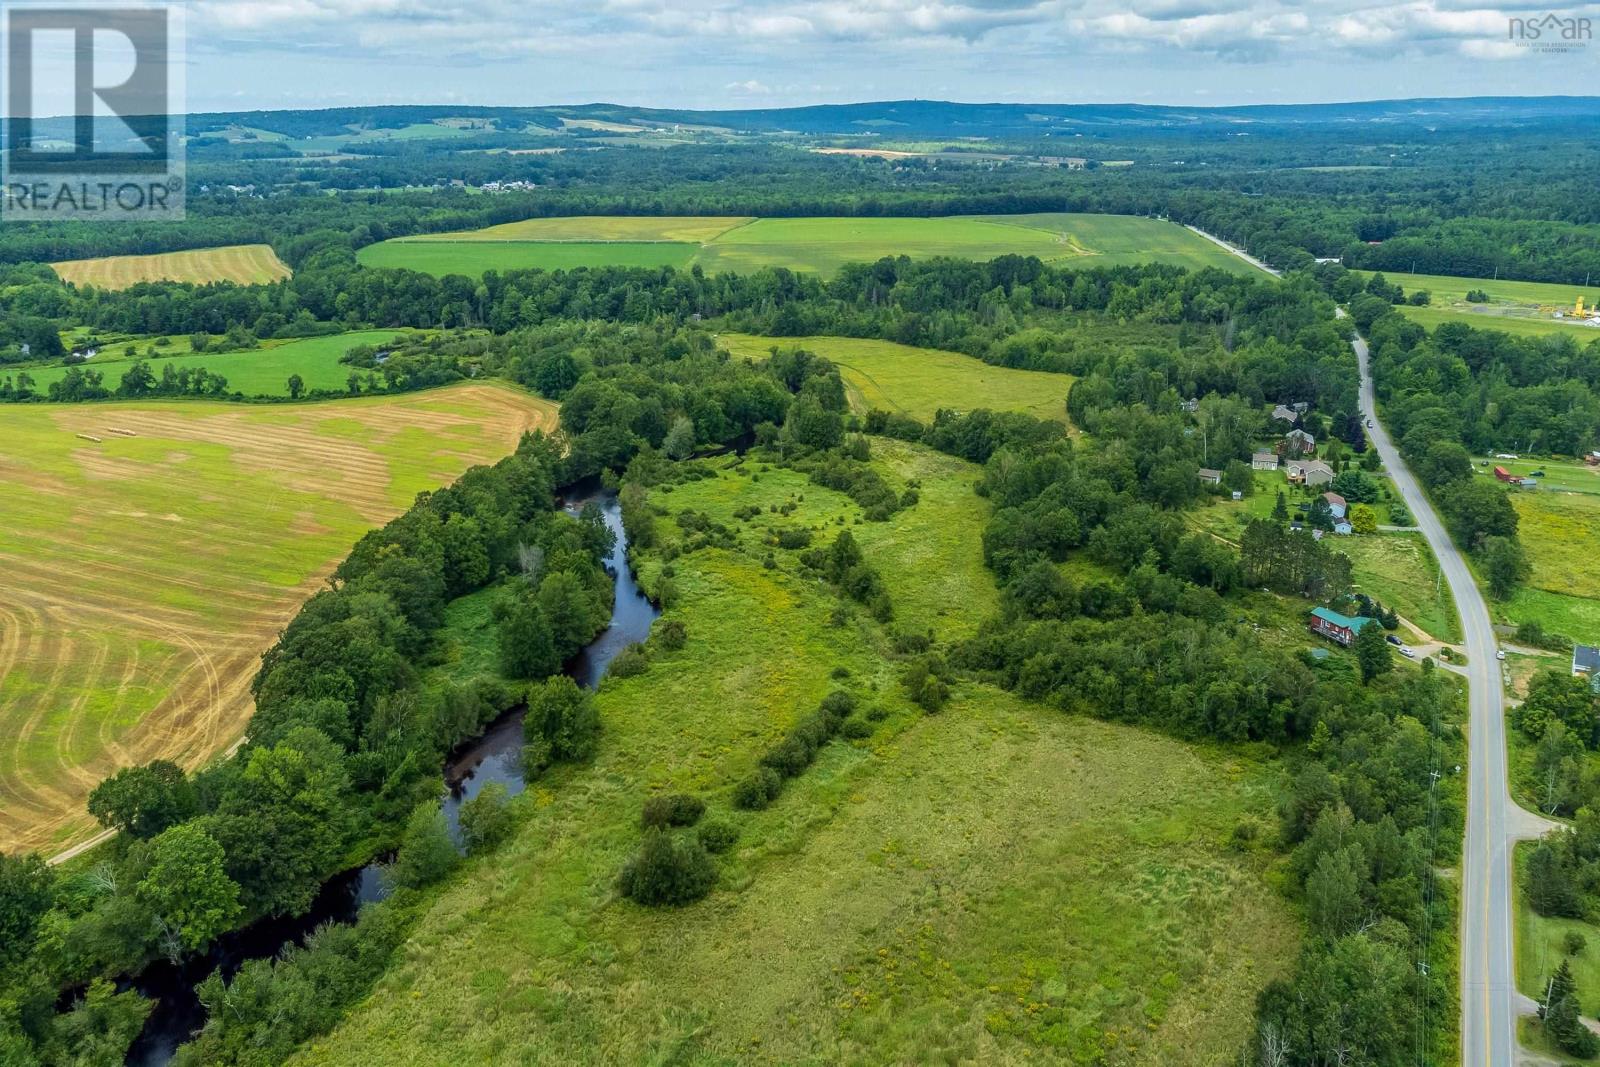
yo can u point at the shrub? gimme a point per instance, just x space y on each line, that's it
563 716
794 537
630 662
758 790
668 869
426 851
672 635
855 729
718 835
791 756
1573 943
486 819
678 809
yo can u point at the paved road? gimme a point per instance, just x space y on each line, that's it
1236 250
1490 1003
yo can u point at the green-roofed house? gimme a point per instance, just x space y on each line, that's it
1340 628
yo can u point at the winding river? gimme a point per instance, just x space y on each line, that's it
496 756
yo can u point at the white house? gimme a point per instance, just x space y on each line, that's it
1337 505
1264 461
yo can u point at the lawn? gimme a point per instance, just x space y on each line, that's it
241 264
920 381
810 244
1539 949
997 883
146 571
1561 532
257 372
1513 306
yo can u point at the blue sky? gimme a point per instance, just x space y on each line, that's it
762 53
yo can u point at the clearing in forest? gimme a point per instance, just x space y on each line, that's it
920 381
241 264
996 883
152 550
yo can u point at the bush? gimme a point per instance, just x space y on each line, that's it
718 835
562 716
672 635
759 790
855 729
1573 943
486 819
426 852
679 809
630 662
795 537
668 869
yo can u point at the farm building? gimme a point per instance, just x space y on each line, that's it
1210 477
1308 472
1337 504
1298 443
1264 461
1336 627
1504 475
1586 660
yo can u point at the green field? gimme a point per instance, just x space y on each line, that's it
152 551
920 381
996 883
262 371
809 244
1513 306
1539 949
240 264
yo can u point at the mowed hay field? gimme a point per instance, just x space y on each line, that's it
809 244
261 371
144 575
242 264
919 381
997 883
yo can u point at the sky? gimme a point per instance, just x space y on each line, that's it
246 54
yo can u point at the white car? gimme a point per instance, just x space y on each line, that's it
1500 654
1408 652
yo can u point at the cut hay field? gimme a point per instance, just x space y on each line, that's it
919 381
998 883
809 244
241 264
144 574
261 371
1513 306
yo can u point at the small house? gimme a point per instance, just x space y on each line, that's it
1264 461
1343 527
1210 477
1298 443
1504 475
1336 627
1337 505
1528 483
1586 661
1192 405
1308 472
1284 413
1592 459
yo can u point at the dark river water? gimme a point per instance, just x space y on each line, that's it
496 756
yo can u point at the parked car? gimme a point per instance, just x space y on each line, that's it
1500 653
1408 652
1393 640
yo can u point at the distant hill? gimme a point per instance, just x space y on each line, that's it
934 118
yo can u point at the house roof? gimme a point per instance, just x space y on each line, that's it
1354 625
1586 658
1310 465
1207 472
1299 435
1334 498
1265 456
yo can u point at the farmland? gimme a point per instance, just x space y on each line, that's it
920 381
263 371
1513 306
147 570
810 244
240 264
893 905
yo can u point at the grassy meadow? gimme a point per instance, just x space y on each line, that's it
146 572
920 381
260 371
240 264
1513 306
810 244
1539 949
995 883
